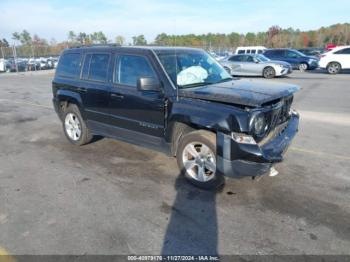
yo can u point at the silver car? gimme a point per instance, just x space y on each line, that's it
255 65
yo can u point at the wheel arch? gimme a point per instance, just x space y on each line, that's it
66 97
330 62
178 129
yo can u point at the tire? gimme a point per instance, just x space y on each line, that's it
203 158
74 126
269 72
333 68
303 67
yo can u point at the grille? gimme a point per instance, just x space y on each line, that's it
280 114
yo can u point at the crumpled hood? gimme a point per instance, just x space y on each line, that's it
242 92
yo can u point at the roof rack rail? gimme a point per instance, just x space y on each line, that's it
96 45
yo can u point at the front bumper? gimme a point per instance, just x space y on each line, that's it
240 160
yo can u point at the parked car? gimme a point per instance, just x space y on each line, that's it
250 50
55 62
180 101
295 58
33 65
255 65
312 51
16 65
336 59
43 63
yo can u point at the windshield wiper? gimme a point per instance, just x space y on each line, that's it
224 80
195 85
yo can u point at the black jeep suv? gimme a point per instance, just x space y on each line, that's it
179 101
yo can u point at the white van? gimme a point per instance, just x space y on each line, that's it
250 50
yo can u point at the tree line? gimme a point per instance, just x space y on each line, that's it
33 45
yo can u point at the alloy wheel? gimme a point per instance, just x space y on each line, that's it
72 126
199 161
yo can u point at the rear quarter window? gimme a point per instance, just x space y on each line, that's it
69 65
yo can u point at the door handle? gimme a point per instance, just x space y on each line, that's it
119 96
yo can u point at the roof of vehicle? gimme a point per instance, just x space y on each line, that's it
251 47
272 49
131 48
340 47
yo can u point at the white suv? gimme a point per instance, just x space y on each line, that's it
336 59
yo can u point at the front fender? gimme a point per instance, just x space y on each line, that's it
209 115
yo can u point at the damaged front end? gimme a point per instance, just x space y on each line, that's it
271 130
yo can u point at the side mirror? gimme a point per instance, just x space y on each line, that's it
148 84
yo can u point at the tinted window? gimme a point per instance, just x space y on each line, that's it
292 54
260 51
345 51
247 58
248 51
130 68
99 67
240 51
235 58
275 53
69 65
253 51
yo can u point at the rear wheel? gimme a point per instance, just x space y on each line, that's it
196 158
269 72
303 67
74 126
333 68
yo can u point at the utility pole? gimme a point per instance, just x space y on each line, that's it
15 56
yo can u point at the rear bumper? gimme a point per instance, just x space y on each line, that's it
240 160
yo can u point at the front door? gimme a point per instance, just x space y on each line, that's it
130 108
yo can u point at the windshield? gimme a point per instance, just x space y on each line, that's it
262 58
190 68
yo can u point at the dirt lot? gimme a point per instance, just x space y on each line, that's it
113 198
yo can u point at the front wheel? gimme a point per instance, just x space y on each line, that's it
333 68
196 158
269 72
74 126
303 67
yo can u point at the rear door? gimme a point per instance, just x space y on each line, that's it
235 64
131 109
248 65
292 58
343 57
95 85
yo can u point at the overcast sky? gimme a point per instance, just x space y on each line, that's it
53 19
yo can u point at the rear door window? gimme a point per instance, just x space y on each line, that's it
235 58
69 65
345 51
96 67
